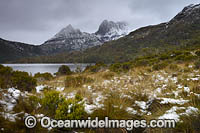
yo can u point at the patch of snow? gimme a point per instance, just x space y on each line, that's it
131 110
60 88
171 114
179 86
14 92
187 89
71 95
39 115
174 79
173 101
194 79
89 108
40 88
191 110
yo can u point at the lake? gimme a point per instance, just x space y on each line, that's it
42 68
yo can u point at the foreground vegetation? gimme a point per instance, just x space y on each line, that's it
149 87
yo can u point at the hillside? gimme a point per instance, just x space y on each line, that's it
165 87
71 39
180 32
67 40
10 50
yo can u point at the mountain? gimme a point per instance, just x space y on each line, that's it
182 31
109 30
67 40
10 50
70 39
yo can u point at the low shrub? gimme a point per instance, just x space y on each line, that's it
95 68
22 81
159 66
197 53
77 81
64 70
184 57
108 75
120 67
17 79
173 67
197 64
43 76
56 106
71 109
142 62
5 76
50 101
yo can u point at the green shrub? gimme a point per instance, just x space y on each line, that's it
95 68
173 67
108 75
159 66
197 64
50 101
27 104
71 109
43 76
5 76
164 57
77 81
64 70
185 57
142 62
197 53
120 67
22 81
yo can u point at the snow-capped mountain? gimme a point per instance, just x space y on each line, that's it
71 39
188 14
109 30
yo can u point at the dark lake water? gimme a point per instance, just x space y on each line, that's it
51 68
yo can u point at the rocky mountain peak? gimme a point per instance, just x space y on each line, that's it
109 30
67 32
109 26
188 13
71 39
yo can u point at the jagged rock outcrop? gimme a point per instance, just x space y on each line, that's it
71 39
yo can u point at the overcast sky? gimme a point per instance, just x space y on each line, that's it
35 21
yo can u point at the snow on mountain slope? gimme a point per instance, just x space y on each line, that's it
109 30
71 39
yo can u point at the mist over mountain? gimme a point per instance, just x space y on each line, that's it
182 31
110 43
71 39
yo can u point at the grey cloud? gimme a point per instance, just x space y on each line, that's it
35 21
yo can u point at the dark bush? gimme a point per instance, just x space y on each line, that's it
50 101
120 67
5 76
95 68
197 52
159 66
77 81
43 76
64 70
108 75
22 81
173 67
197 64
71 109
165 56
184 57
142 62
